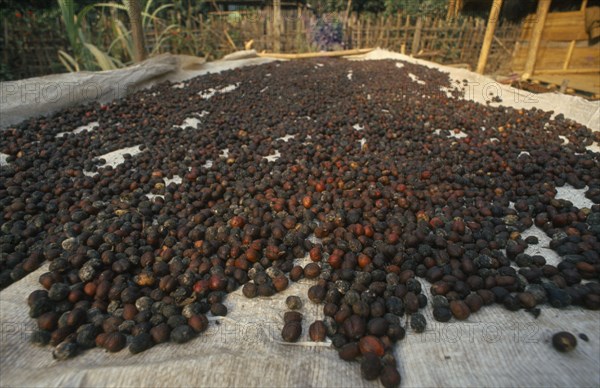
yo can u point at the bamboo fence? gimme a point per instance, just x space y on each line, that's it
31 49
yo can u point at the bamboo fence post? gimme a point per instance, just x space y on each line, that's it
489 35
347 14
277 25
358 29
451 9
473 42
458 7
536 37
461 35
367 33
417 37
382 23
386 28
397 30
298 34
406 27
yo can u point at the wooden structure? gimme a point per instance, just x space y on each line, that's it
454 8
489 35
553 47
557 51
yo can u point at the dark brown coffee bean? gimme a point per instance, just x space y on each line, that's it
312 270
48 321
114 342
460 310
140 343
296 273
564 341
474 302
354 327
280 283
198 323
160 333
317 293
370 366
378 326
317 331
390 377
291 331
349 352
527 300
371 344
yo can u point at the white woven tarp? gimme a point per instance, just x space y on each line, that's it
494 347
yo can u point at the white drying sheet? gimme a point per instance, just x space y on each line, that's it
494 347
41 96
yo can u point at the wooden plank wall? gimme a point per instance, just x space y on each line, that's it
552 58
560 26
564 52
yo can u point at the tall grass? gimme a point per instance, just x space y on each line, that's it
84 55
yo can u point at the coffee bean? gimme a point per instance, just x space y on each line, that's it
349 351
460 310
317 331
182 334
291 331
371 344
293 302
141 343
564 341
370 366
418 322
390 377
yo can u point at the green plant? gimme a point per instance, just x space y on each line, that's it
85 55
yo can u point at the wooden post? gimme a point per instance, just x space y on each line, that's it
382 23
573 42
137 32
417 37
347 14
359 33
567 61
368 33
451 9
277 25
489 35
536 37
458 7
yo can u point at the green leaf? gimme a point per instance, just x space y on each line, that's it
112 5
147 16
102 59
67 9
68 61
123 37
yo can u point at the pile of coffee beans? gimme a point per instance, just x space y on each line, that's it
382 178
